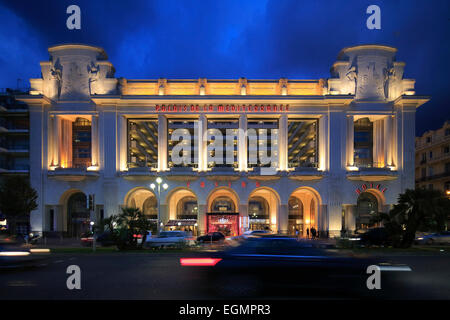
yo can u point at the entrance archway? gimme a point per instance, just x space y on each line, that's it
183 211
367 206
263 207
78 216
143 199
222 211
303 211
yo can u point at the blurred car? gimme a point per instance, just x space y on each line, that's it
250 233
278 265
434 238
86 239
211 237
12 256
167 239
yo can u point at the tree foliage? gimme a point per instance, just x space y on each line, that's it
417 210
17 199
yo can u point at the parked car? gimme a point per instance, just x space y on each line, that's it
106 239
167 239
375 236
434 238
211 237
86 239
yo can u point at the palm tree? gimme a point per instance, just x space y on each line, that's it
418 210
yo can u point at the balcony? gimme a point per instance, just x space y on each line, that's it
74 174
434 177
265 173
371 172
183 173
14 169
136 172
305 172
223 173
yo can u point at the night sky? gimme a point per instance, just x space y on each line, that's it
261 39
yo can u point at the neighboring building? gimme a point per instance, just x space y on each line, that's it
433 159
339 149
14 143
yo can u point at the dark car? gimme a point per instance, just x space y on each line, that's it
211 237
106 239
86 239
276 265
376 236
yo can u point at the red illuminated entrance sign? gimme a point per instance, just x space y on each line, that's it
222 108
227 223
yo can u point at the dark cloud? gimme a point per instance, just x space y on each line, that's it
231 39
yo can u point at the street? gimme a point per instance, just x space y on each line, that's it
160 276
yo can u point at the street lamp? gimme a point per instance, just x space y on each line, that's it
165 186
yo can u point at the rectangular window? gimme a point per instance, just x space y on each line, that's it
223 143
363 143
182 139
142 143
262 143
302 143
81 143
447 167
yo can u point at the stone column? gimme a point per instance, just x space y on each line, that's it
56 140
162 143
335 219
350 141
388 141
243 215
242 146
94 140
283 219
201 220
282 143
350 217
202 143
323 219
164 213
323 143
123 143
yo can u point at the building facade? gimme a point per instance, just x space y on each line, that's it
14 145
294 154
433 159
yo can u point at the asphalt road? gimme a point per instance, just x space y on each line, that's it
159 276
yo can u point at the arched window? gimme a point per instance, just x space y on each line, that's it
150 207
187 208
222 204
295 208
258 208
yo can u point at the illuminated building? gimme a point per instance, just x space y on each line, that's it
433 159
341 148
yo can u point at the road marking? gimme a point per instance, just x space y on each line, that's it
58 261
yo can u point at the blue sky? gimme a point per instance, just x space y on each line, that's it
231 39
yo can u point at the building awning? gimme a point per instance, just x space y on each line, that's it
181 222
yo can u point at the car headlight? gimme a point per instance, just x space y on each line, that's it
420 238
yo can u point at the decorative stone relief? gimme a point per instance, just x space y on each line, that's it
75 72
369 72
